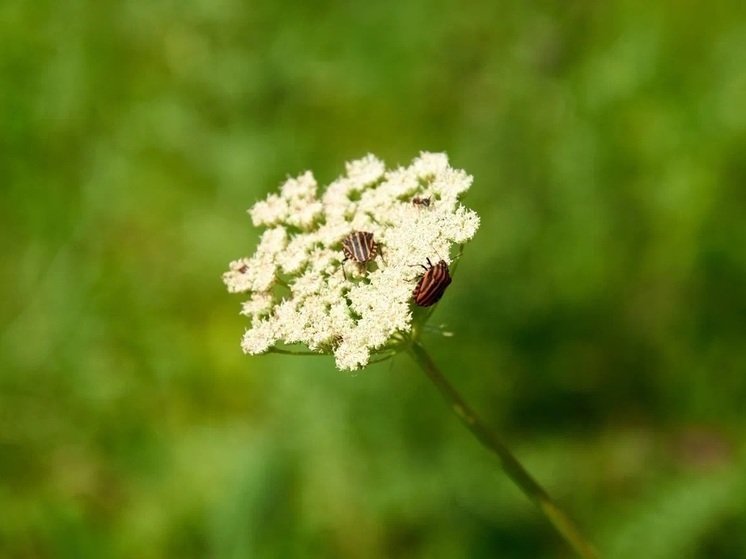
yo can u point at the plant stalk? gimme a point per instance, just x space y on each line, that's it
510 464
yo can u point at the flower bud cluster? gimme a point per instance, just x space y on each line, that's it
298 290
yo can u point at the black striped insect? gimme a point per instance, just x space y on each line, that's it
417 201
360 247
432 284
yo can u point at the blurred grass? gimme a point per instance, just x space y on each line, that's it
599 313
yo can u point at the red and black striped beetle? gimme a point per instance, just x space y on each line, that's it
432 284
360 247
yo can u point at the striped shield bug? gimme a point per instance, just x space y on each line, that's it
360 247
432 284
424 202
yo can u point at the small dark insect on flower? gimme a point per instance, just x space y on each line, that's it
417 201
360 247
432 284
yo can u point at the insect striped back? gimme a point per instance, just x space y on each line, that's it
417 201
359 246
432 284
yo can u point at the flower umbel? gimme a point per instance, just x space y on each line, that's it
298 290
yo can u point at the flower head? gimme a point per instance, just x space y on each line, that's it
299 291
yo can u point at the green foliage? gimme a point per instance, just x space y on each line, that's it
599 313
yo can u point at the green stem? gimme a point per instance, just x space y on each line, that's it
512 467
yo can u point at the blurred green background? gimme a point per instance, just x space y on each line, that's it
600 312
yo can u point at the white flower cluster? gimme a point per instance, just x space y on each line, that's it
299 290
